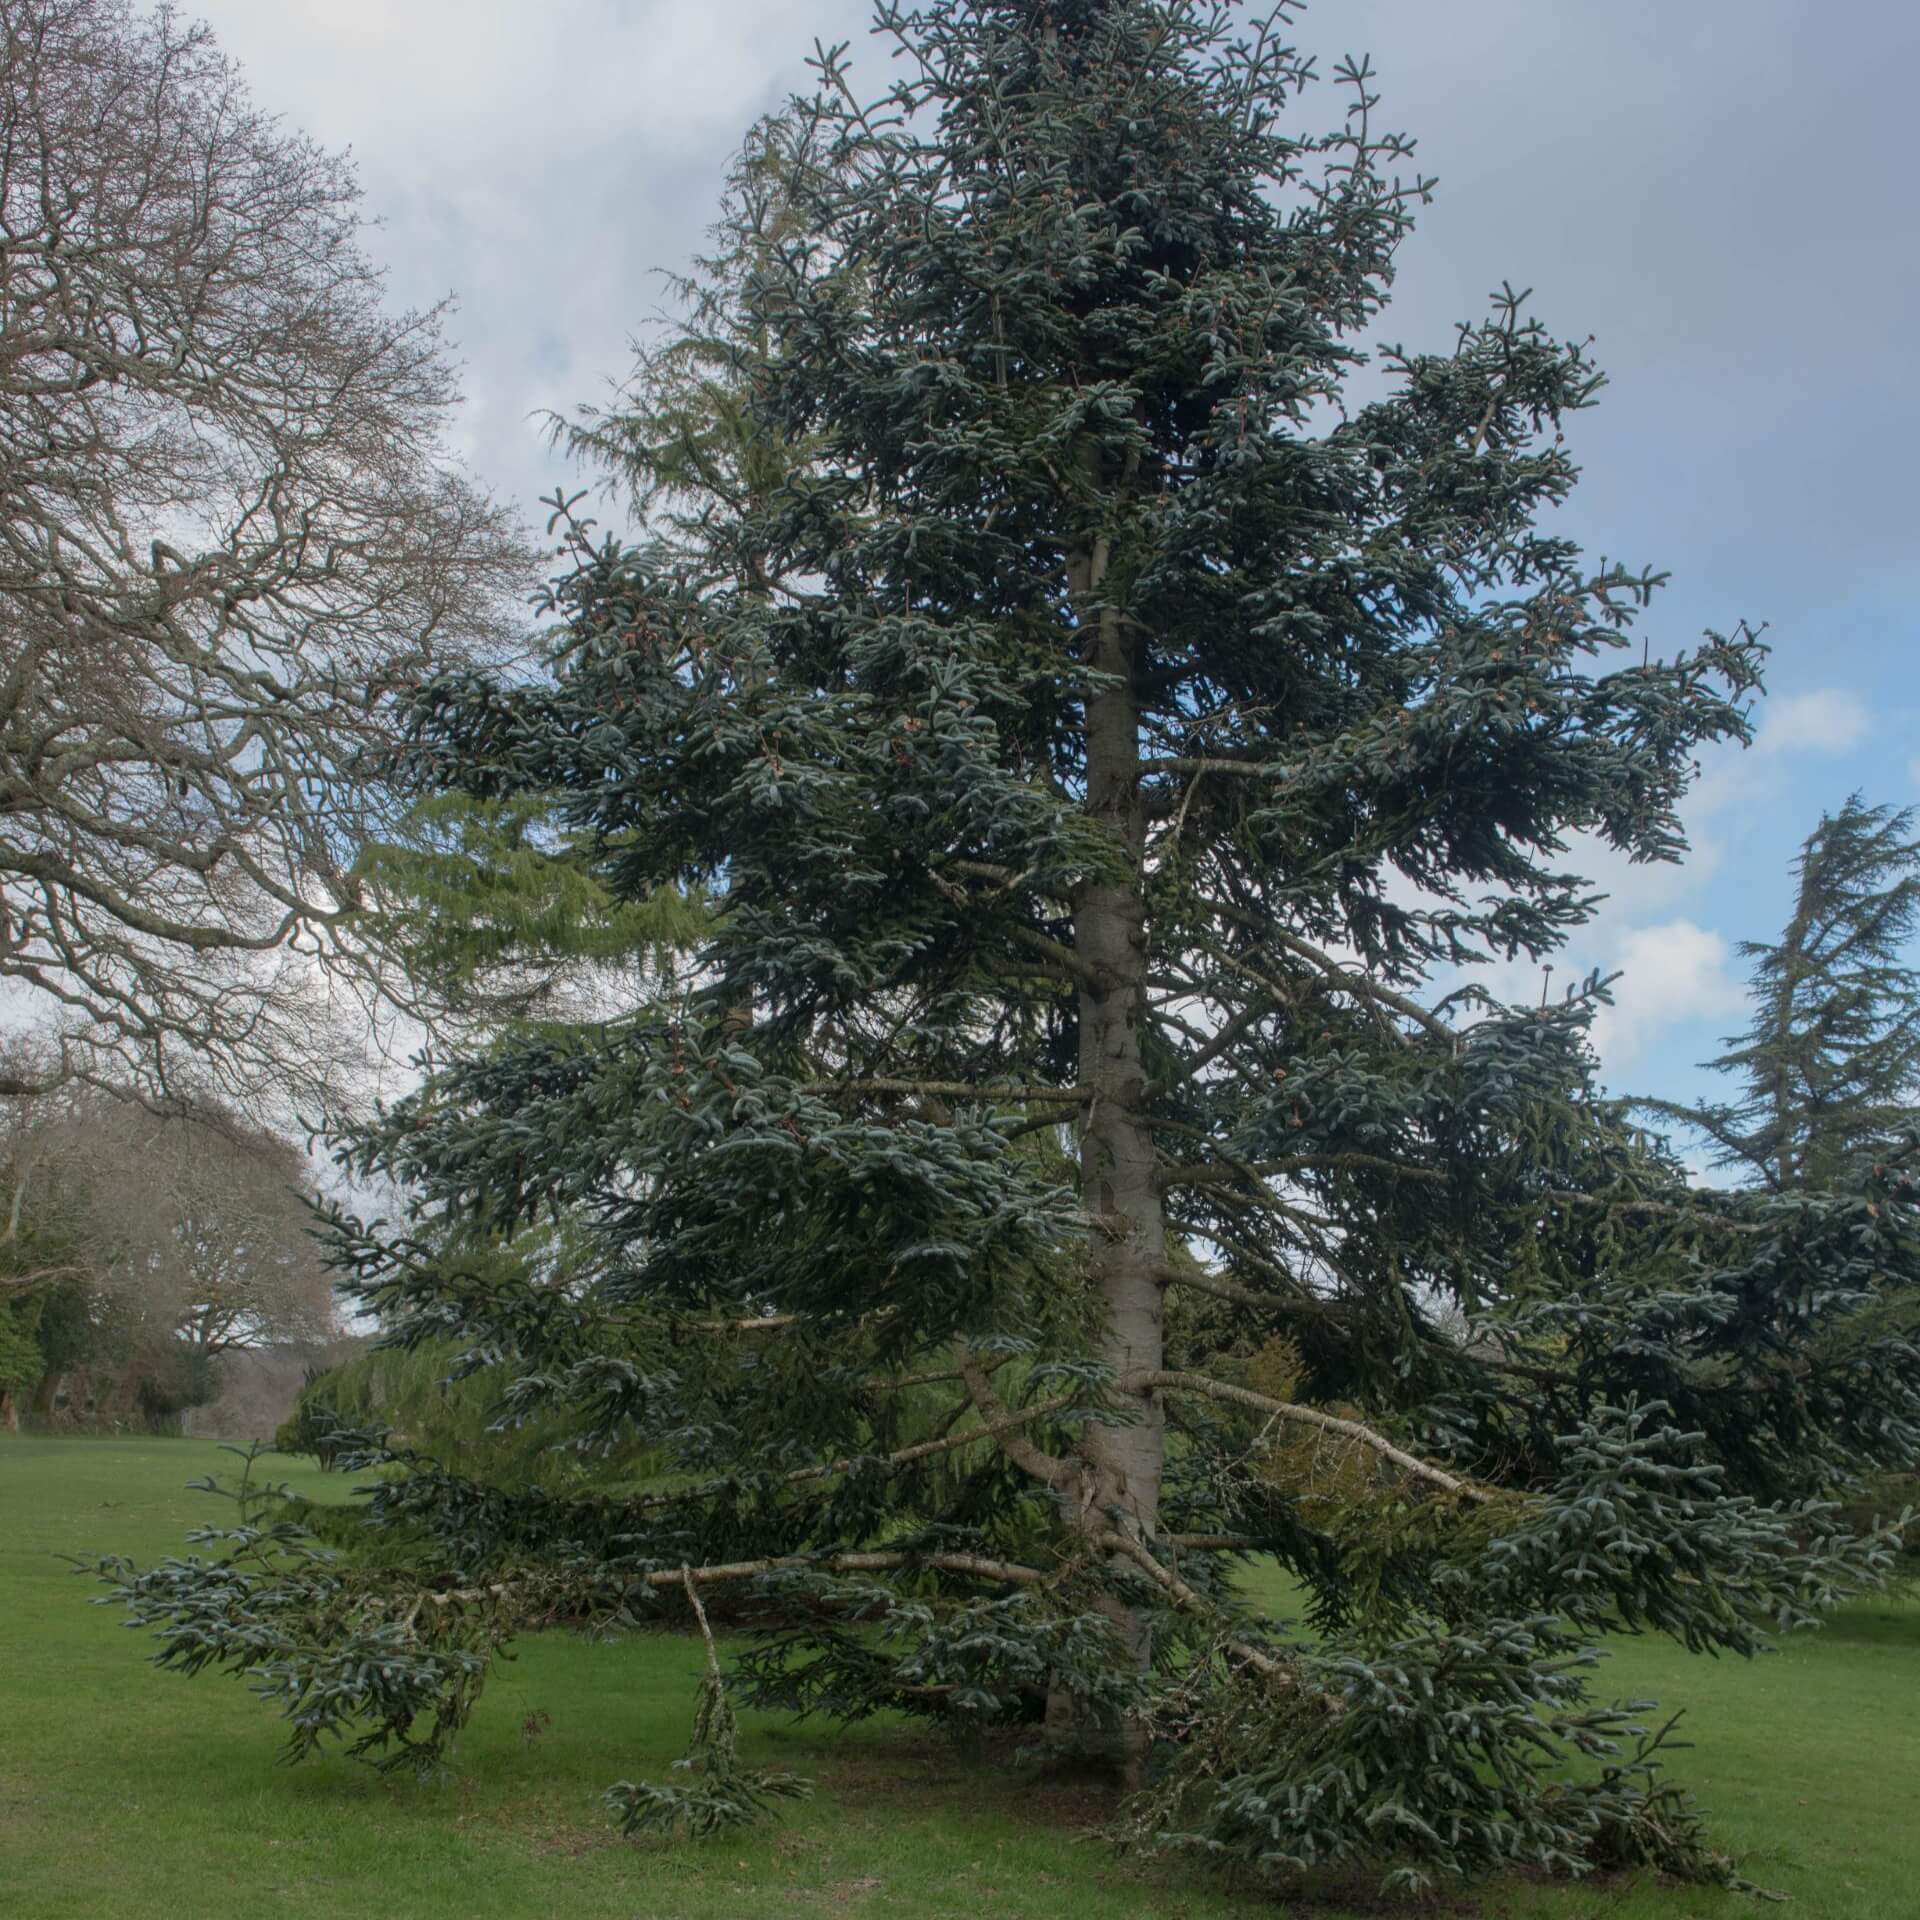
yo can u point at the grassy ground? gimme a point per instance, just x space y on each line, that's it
125 1793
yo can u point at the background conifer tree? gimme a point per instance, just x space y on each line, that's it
1829 1069
1045 1181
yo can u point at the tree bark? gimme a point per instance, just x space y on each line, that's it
125 1390
1126 1227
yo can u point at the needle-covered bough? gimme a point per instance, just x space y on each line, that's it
1054 1174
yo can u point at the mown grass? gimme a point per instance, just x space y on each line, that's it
126 1794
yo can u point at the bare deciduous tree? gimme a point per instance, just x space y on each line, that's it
228 537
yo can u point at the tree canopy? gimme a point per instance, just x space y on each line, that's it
229 538
1048 1175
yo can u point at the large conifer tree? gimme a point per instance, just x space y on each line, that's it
1087 727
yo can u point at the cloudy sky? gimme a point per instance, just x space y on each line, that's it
1716 190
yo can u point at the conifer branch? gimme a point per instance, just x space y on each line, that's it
981 1092
1063 957
1197 1383
1704 1217
1053 1473
1190 1175
995 1429
1220 1287
1230 1033
722 1573
1192 1601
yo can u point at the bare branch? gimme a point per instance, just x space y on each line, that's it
1060 1475
1011 1572
230 542
1200 1384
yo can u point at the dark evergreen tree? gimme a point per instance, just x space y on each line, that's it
1829 1069
1044 1181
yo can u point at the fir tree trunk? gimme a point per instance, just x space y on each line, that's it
1127 1231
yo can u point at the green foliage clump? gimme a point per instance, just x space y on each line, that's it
391 1674
719 1792
47 1309
1431 1759
492 905
313 1427
425 1398
21 1360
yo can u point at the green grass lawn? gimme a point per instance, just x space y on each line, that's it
124 1792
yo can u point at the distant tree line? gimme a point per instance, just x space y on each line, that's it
139 1250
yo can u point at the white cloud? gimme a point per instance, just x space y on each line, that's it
540 163
480 81
1826 720
1671 973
